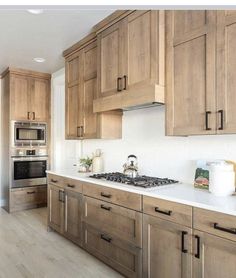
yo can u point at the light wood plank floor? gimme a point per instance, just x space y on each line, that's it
27 250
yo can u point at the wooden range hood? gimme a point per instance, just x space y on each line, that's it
146 96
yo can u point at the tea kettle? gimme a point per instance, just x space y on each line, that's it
131 166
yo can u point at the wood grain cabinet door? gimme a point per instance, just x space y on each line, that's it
166 249
72 222
110 59
74 101
190 72
214 257
143 55
226 72
55 207
20 90
90 90
39 99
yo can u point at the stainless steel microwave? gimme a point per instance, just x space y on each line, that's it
29 134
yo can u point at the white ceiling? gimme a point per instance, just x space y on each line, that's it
25 36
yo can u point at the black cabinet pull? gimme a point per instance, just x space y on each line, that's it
33 115
206 119
105 207
183 249
55 181
221 112
106 238
105 195
197 255
78 131
28 115
118 84
227 230
61 196
166 212
71 185
31 192
125 81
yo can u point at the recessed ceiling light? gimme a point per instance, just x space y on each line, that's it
35 11
39 60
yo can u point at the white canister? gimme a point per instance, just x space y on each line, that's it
221 178
98 166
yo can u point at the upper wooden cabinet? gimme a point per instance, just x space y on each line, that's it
29 95
81 89
200 72
131 61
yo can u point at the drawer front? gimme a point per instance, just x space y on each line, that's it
215 223
56 180
121 256
116 196
28 197
72 185
121 222
178 213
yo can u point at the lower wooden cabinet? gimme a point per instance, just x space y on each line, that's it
166 249
56 208
125 258
73 213
214 257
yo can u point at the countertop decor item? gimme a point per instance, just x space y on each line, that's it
131 166
98 166
85 164
201 175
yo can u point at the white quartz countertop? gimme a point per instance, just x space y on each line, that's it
181 193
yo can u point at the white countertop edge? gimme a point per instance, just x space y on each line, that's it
157 193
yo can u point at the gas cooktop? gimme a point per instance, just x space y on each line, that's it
142 181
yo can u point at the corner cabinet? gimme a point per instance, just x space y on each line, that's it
81 89
29 95
200 72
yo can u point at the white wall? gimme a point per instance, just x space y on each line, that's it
143 135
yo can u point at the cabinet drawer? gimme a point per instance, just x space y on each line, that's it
30 197
116 196
54 179
123 257
215 223
73 185
115 220
178 213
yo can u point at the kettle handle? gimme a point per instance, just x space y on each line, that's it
132 155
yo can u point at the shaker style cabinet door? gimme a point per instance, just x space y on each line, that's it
110 59
213 257
74 101
190 72
20 92
166 249
226 71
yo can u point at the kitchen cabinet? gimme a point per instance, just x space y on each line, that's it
56 207
81 89
166 249
29 95
213 256
73 214
200 77
131 61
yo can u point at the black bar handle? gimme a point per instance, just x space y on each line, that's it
61 196
105 207
197 255
71 185
105 195
118 84
183 249
227 230
33 115
82 131
166 212
78 131
125 81
106 238
206 119
221 112
31 192
28 115
55 181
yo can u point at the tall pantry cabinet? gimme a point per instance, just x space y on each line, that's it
200 72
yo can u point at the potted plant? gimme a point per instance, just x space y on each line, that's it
85 164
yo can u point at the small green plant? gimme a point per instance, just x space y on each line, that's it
86 162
